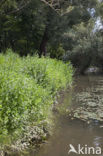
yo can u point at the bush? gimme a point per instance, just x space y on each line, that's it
49 73
57 52
27 88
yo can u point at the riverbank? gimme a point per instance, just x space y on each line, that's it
28 89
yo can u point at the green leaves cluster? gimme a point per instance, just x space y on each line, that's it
28 87
23 22
86 46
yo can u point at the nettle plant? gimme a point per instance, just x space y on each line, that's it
28 87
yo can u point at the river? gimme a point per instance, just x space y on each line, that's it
75 132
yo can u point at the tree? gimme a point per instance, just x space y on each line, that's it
39 25
86 46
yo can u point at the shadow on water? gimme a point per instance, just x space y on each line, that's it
74 132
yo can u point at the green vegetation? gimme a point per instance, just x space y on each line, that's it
43 34
59 29
86 47
28 87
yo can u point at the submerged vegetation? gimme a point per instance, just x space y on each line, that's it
28 87
89 101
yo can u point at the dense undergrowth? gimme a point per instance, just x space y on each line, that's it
28 87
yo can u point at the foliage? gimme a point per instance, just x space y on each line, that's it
23 23
27 88
86 46
56 52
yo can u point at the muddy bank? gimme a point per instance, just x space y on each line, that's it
33 137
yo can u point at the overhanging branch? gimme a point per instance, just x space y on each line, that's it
50 4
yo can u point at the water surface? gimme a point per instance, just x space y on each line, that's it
75 132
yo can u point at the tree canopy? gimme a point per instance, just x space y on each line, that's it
44 26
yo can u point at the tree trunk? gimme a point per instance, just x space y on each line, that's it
43 44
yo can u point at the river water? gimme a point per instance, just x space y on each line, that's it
75 132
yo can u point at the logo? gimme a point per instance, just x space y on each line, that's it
84 150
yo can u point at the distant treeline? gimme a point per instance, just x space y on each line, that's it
65 31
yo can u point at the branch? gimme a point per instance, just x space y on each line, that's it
51 6
60 11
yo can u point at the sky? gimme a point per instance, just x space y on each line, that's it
98 21
98 24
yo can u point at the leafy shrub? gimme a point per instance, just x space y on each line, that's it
57 52
49 73
27 88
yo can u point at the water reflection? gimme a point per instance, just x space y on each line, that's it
98 141
75 132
